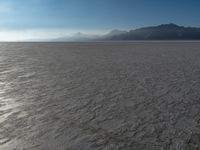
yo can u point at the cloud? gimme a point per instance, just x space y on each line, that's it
5 6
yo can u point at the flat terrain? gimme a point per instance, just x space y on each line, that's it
100 96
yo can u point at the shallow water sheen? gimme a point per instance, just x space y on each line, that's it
96 96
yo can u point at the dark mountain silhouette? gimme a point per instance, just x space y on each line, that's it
161 32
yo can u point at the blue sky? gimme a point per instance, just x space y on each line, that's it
67 16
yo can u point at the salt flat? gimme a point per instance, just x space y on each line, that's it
100 96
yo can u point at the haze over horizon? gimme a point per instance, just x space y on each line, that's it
36 19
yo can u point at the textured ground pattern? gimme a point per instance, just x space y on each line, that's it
100 96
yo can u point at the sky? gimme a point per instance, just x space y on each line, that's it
41 19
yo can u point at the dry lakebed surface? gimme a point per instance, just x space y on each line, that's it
100 96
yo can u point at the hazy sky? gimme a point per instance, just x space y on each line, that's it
48 18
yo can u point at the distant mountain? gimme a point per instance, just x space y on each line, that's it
77 37
115 32
161 32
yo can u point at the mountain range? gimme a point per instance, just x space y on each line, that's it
161 32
